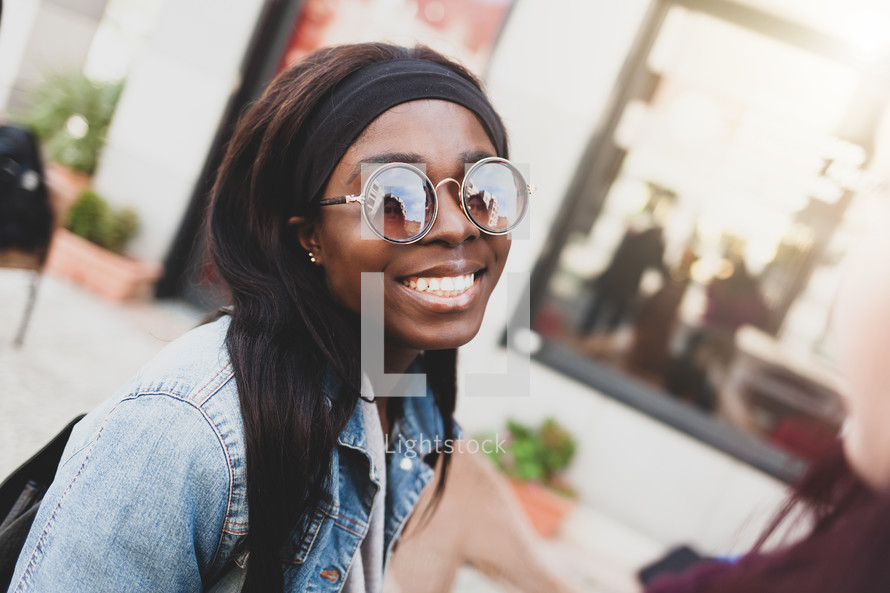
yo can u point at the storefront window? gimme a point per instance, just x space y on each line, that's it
699 267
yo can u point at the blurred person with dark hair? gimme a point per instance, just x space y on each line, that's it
845 495
615 290
641 248
733 300
655 322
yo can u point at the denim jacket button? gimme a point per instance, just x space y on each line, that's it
406 464
331 574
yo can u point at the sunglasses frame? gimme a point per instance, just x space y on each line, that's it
361 197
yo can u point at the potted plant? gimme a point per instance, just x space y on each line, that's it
89 250
71 114
534 458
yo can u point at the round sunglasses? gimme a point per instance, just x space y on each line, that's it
399 202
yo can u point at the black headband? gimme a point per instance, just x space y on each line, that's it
339 118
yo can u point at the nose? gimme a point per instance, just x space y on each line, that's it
451 227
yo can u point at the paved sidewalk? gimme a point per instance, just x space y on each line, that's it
78 350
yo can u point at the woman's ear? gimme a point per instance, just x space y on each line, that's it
305 231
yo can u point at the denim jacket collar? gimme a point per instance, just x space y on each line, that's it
336 529
419 423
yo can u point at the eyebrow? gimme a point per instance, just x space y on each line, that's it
469 156
386 157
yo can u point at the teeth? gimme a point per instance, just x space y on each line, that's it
449 285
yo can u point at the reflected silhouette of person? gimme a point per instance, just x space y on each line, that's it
736 300
655 321
481 210
616 288
394 216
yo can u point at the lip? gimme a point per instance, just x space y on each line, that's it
449 268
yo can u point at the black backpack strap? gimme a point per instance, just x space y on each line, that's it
41 469
20 497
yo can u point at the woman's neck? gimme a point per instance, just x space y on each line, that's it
397 360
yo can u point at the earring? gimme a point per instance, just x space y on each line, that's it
311 257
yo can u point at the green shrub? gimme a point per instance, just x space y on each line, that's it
71 115
537 454
122 226
93 219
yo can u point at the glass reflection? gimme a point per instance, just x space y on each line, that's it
399 203
704 261
495 196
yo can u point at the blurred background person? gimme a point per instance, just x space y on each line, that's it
846 494
733 299
615 289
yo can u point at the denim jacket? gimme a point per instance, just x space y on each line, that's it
150 494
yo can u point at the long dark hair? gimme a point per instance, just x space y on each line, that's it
286 331
846 549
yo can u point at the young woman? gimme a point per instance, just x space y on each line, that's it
846 495
253 449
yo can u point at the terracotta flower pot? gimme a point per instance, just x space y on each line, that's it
108 274
64 184
545 508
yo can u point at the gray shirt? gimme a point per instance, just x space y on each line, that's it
366 572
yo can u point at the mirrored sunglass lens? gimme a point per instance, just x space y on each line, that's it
496 196
399 203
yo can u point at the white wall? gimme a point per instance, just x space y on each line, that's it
655 480
170 110
15 28
39 35
553 73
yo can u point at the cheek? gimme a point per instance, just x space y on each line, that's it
346 255
861 328
500 246
861 321
867 448
344 286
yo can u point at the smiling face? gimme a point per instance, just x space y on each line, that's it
435 290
